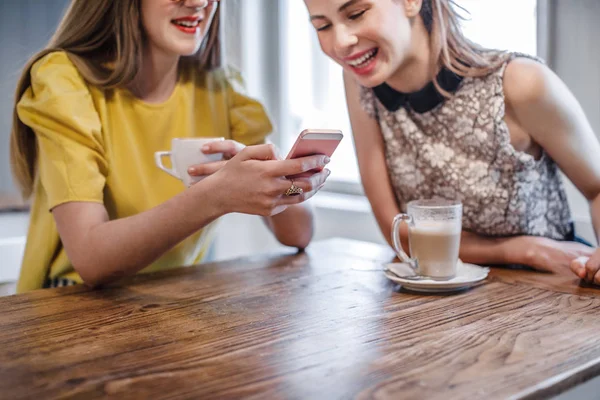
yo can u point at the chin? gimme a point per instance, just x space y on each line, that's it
185 51
188 53
370 81
182 48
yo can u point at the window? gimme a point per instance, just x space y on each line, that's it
502 24
315 91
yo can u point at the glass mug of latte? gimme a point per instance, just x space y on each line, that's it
434 230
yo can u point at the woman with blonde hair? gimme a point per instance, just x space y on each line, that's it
118 81
437 116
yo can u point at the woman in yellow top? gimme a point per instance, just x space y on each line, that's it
117 82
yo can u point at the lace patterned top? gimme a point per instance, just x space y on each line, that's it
460 149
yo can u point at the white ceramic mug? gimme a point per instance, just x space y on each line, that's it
184 153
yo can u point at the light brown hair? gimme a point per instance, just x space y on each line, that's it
450 48
104 40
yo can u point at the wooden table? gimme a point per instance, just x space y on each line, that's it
321 325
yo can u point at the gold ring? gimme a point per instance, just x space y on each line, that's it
294 190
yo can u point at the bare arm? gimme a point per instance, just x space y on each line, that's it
370 153
101 250
546 109
294 227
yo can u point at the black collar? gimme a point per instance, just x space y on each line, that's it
422 100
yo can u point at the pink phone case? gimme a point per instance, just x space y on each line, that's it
306 146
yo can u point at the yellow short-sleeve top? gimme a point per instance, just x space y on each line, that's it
98 145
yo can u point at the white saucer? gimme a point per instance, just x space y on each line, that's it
467 275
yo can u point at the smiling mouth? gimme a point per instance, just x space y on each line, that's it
187 25
364 60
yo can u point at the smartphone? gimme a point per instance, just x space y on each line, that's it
315 141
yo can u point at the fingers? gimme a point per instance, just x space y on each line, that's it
277 167
578 266
299 199
587 268
307 184
205 169
266 175
298 166
259 152
229 147
311 183
310 187
592 266
311 194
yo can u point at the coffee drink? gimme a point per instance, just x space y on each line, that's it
434 245
434 230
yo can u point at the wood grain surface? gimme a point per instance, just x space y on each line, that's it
321 324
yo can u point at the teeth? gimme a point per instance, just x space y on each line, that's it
362 60
187 24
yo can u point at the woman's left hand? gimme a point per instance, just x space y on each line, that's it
229 148
588 268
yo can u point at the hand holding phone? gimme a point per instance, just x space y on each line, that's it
315 141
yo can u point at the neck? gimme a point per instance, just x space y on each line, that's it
418 69
157 76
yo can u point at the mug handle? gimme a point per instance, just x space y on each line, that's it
158 160
398 219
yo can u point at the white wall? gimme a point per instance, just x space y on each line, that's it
13 229
25 27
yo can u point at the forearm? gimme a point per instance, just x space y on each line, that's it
478 249
294 227
125 246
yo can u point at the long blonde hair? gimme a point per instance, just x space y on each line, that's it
450 48
95 34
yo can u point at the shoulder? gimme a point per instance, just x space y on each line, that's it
527 81
56 58
56 91
54 64
55 73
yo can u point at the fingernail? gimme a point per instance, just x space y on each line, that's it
192 170
326 160
205 147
